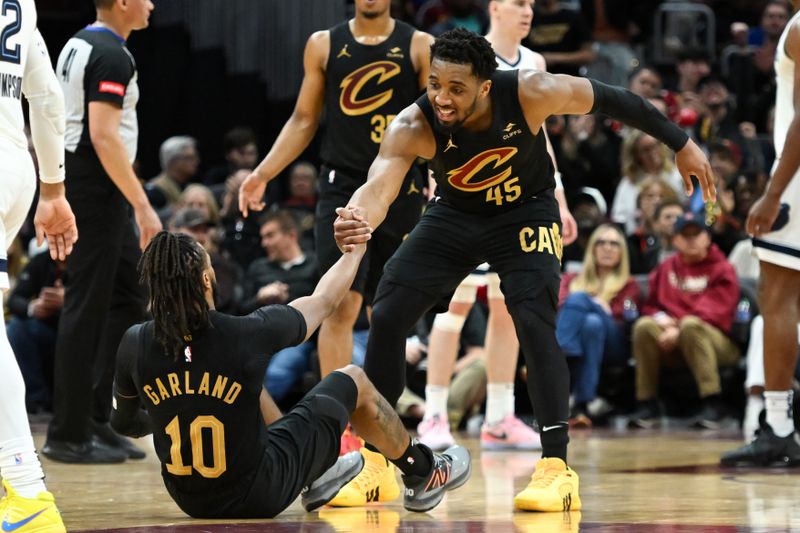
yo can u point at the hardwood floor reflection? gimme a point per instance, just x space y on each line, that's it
630 481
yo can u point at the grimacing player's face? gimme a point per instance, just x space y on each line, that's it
454 92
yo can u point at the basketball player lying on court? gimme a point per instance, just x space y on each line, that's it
197 375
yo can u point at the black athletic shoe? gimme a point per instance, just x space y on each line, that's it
767 449
711 417
322 490
90 452
451 469
647 416
112 439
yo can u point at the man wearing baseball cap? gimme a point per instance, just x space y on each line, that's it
686 321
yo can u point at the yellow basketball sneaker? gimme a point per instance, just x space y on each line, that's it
375 483
29 515
553 488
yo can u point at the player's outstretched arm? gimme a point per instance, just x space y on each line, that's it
545 94
298 130
330 290
764 212
407 138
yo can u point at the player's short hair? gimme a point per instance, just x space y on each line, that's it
464 47
104 4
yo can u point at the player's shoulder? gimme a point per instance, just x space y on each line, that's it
318 46
420 37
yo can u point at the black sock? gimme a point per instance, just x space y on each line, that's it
414 461
554 441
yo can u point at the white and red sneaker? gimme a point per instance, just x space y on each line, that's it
511 433
434 432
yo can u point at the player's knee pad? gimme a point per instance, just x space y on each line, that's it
468 289
493 291
449 322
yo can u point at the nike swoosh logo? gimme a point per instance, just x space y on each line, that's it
9 526
548 428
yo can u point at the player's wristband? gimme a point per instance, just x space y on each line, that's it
635 111
559 183
58 178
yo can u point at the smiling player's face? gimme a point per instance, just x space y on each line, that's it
454 92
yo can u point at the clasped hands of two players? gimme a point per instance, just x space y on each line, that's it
351 228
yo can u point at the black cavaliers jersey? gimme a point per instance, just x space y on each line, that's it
491 170
207 426
366 86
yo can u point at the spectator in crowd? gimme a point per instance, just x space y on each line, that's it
241 153
726 228
589 209
591 322
179 162
645 81
302 200
693 65
35 305
588 154
716 122
615 24
642 157
195 222
648 248
688 314
748 62
285 274
200 197
562 37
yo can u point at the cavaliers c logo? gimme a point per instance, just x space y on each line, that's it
355 81
461 178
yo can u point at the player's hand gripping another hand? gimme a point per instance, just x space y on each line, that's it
351 228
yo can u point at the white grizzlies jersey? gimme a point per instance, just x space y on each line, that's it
782 246
21 47
96 66
526 59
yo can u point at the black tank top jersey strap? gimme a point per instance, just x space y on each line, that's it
491 170
366 86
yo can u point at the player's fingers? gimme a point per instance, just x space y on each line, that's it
61 246
688 186
355 239
39 234
243 205
712 187
345 213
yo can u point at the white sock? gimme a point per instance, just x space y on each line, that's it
19 464
20 467
499 402
779 411
755 404
436 401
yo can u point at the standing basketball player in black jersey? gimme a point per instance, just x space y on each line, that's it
363 72
482 132
198 374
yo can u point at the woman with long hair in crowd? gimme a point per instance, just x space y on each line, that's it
591 323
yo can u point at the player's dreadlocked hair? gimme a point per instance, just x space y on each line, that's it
172 267
466 48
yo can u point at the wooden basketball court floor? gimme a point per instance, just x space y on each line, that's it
654 481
